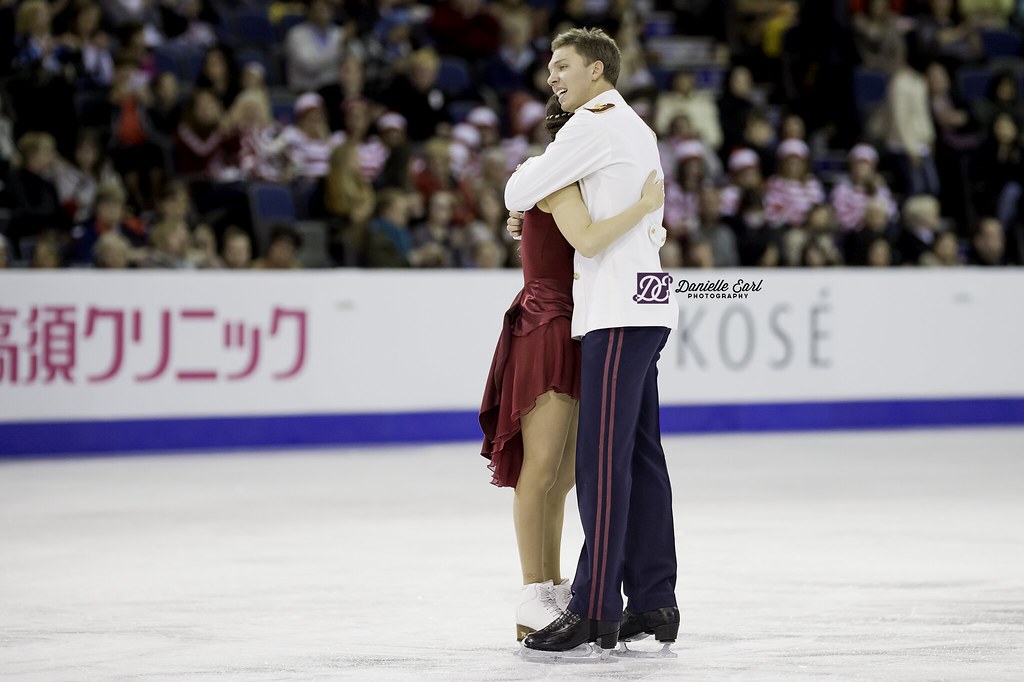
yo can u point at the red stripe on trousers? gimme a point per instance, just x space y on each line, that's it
600 480
610 449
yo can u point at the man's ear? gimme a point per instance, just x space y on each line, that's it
597 70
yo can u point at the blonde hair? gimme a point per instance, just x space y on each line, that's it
345 189
160 235
425 57
29 14
31 144
921 207
253 98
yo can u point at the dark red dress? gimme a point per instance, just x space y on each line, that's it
535 352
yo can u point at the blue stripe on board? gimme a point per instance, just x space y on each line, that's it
27 439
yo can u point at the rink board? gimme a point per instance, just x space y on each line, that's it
98 362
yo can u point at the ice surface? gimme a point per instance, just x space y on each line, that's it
896 555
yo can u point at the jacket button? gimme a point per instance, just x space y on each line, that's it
575 275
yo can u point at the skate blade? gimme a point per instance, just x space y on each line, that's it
584 653
625 652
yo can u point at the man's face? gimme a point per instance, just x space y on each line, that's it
570 78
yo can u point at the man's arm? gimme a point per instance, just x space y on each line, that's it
578 150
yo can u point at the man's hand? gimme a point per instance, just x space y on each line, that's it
515 224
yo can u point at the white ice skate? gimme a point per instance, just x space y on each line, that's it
537 608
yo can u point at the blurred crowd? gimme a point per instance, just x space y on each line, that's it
359 133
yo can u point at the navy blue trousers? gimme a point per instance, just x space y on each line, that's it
622 485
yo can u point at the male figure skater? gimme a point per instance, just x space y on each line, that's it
624 311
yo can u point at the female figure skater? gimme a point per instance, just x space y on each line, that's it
529 408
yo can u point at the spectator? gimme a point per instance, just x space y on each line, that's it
700 108
509 69
35 47
682 197
946 250
436 242
206 147
957 137
373 154
735 106
1003 97
987 13
46 253
165 108
348 200
438 174
388 242
697 253
282 250
790 195
921 220
988 245
719 236
396 171
879 253
313 48
110 216
878 37
877 224
759 136
219 75
202 251
5 252
77 182
813 256
261 143
465 28
112 252
940 37
168 246
488 255
308 143
415 95
756 240
184 21
237 249
998 165
909 131
671 254
851 196
89 47
133 148
348 86
744 176
36 207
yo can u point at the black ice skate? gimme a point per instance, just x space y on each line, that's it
662 623
572 638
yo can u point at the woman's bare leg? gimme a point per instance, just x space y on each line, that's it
544 434
554 504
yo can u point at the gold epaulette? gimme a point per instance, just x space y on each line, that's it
601 108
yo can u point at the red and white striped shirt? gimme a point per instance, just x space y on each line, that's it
850 203
787 202
373 154
262 154
682 210
310 157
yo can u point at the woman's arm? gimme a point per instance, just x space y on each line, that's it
590 238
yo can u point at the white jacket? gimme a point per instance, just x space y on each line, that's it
610 151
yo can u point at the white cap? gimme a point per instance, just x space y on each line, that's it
391 120
483 117
793 148
864 152
689 149
307 102
743 158
466 134
530 114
